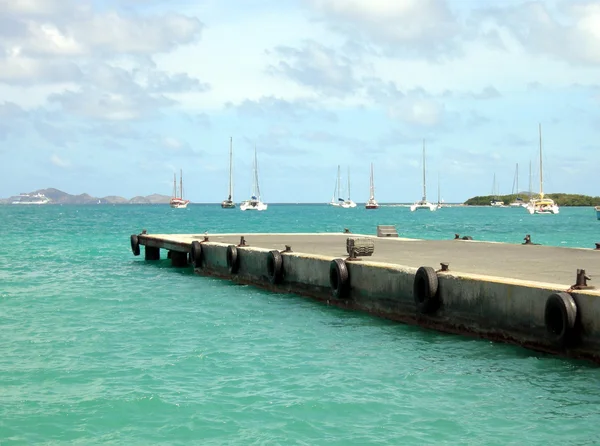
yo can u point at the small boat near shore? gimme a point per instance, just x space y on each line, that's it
597 212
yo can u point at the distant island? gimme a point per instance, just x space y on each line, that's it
55 196
560 199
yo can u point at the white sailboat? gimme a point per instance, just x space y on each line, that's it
495 202
255 203
439 203
423 203
229 204
336 198
372 203
348 203
542 205
178 202
518 200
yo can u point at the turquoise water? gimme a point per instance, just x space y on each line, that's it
98 346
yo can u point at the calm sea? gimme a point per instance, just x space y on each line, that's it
97 346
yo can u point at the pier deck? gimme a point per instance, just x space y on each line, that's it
532 263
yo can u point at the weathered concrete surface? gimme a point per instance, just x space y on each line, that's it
535 263
492 290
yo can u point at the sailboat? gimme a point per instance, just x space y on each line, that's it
178 202
495 202
439 203
542 205
229 204
372 203
348 203
336 199
423 203
254 204
518 200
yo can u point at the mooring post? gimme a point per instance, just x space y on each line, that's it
179 259
445 266
152 253
581 280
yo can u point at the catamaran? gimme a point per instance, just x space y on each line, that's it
178 202
229 204
339 201
423 203
372 203
254 204
542 205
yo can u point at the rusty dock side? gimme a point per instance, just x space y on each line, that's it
539 297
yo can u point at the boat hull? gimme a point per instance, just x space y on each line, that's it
253 206
179 204
423 206
598 212
228 205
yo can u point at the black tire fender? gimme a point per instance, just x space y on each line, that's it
135 245
233 262
425 290
275 267
196 254
339 279
560 317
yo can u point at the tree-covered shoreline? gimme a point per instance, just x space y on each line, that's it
560 199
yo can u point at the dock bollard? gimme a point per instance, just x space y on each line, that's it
444 266
242 241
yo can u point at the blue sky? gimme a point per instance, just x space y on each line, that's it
112 97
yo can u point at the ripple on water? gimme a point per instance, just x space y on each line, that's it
100 347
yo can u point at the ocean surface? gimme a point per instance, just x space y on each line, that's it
100 347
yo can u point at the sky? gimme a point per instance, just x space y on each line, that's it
112 97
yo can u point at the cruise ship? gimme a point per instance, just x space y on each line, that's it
31 199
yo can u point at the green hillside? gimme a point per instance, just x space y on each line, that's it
560 199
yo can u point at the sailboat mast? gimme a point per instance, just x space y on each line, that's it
517 179
541 165
338 183
424 185
256 175
230 168
439 188
372 185
174 185
181 183
348 183
530 186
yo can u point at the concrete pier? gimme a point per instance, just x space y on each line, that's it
535 296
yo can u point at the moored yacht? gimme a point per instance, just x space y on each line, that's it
423 203
542 204
372 203
254 203
177 201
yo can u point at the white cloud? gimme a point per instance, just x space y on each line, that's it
421 28
574 38
59 162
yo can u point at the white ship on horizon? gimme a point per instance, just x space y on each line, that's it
31 199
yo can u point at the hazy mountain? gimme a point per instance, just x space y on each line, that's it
59 197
